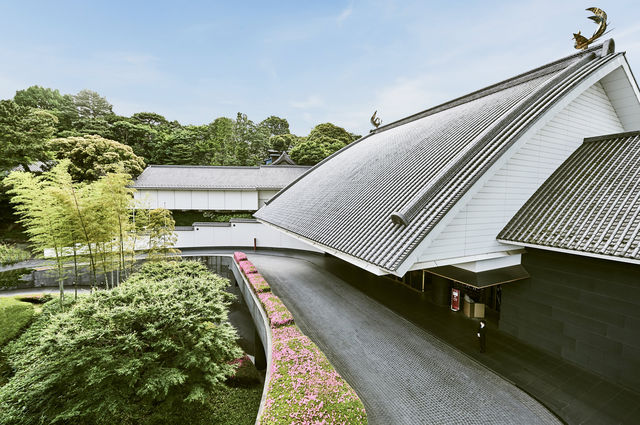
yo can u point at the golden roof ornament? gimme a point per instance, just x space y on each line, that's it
599 18
375 120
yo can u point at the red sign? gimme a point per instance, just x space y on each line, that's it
455 299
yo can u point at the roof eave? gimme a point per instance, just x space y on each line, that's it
573 252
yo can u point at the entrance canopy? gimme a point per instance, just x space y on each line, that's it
481 279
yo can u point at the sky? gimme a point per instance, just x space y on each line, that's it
307 61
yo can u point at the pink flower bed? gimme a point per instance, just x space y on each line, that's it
258 283
276 311
304 388
247 267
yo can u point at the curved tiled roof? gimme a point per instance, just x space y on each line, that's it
379 197
189 177
591 204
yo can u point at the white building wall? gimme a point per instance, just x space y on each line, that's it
264 196
474 228
237 234
229 200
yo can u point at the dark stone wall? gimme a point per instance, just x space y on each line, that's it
582 309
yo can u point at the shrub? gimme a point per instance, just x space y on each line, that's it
156 345
247 267
258 283
277 312
304 387
239 256
11 278
10 254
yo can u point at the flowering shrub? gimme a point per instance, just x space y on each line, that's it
239 256
277 313
304 388
247 267
258 283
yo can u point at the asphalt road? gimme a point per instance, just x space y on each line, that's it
403 374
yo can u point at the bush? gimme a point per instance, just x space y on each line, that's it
258 283
11 278
304 387
10 254
277 312
156 345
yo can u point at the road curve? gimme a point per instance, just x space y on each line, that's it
403 374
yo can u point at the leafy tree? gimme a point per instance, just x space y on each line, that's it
312 151
275 126
158 344
149 118
332 131
51 100
42 213
161 231
93 156
24 133
91 105
251 142
284 142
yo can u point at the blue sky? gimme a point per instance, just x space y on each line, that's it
309 62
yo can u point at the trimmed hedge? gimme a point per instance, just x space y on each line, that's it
303 388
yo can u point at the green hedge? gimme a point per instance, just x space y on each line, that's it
11 278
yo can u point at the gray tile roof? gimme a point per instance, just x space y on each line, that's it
378 198
590 204
189 177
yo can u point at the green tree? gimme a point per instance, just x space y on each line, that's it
284 142
332 131
43 214
323 140
251 142
51 100
158 344
24 133
275 126
161 232
91 105
93 156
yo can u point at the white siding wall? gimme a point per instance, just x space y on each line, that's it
200 199
474 228
265 195
239 234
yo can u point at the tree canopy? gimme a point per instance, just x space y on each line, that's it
93 156
24 133
158 344
151 136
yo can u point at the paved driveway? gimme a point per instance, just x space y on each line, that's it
403 374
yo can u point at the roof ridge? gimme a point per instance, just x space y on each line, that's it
493 88
611 136
203 166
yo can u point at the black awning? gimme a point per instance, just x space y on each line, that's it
481 279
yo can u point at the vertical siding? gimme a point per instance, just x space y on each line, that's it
474 228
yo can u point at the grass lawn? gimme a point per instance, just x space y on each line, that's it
15 316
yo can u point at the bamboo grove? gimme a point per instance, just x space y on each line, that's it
92 228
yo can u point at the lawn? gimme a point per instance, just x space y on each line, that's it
15 316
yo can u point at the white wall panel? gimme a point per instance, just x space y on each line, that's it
232 200
475 226
199 200
166 199
216 200
249 200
